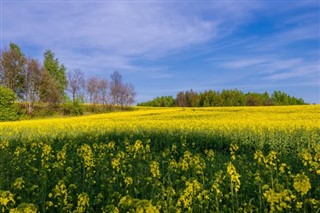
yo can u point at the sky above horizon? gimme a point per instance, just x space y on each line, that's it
163 47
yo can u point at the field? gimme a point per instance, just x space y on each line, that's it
234 159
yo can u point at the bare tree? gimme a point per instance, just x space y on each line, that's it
92 89
181 100
116 87
127 95
121 94
76 83
103 91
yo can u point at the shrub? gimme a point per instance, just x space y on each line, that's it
73 108
8 109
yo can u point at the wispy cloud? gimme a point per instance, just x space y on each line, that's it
121 30
174 45
285 37
303 72
109 28
246 62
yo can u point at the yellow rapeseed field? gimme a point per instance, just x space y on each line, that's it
225 119
233 159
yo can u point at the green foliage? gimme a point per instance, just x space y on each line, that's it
8 109
40 110
56 70
281 98
234 97
73 107
163 101
173 173
13 65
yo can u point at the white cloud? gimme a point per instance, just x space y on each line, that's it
127 29
140 38
246 62
309 72
120 31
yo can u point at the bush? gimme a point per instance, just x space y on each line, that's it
73 108
8 109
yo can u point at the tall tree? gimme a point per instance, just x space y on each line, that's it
181 99
233 98
116 87
192 98
32 83
127 95
49 91
92 89
13 65
102 88
56 70
76 83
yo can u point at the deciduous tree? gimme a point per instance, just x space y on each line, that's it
49 91
92 89
116 87
32 83
56 70
13 65
76 84
102 88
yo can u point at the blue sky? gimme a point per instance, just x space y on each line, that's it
163 47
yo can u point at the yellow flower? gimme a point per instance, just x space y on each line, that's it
258 155
5 198
216 186
233 149
299 205
154 169
115 163
85 152
210 154
282 168
49 203
271 160
138 145
192 189
19 183
4 144
128 181
234 177
19 150
301 183
61 158
25 208
125 201
83 202
278 200
111 145
60 191
184 162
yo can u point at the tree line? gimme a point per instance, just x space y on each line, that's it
51 83
211 98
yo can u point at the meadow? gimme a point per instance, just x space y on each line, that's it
231 159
